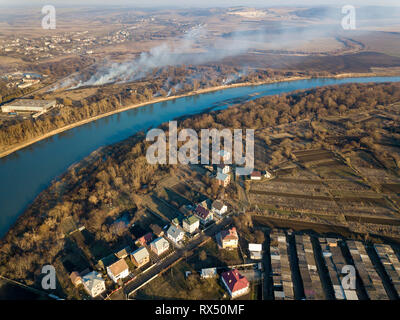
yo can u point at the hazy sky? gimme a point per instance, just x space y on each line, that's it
196 3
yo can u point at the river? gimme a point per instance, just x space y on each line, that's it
25 173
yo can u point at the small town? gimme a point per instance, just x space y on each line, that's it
173 159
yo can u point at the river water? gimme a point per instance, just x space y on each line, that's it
25 173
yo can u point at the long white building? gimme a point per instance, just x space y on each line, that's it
28 105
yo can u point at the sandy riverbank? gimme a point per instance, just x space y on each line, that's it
29 142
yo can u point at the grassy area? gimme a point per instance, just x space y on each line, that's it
174 285
215 257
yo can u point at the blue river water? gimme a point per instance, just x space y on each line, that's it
25 173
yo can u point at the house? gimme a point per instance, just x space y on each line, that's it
118 270
157 230
203 214
159 246
107 261
122 254
76 279
205 203
255 175
236 284
175 234
191 224
223 179
208 273
255 251
223 168
219 208
140 257
228 239
94 283
146 239
267 175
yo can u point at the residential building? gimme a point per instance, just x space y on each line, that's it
223 179
267 175
107 261
122 254
76 279
255 175
203 214
175 234
208 273
140 257
146 239
219 207
191 224
236 284
118 270
255 251
93 283
228 239
159 246
223 168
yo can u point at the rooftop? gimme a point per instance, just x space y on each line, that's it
230 234
118 267
174 231
202 212
234 280
91 279
140 254
191 220
256 174
218 204
160 243
30 103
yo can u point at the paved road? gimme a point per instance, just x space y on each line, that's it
179 253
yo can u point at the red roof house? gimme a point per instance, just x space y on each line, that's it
236 284
146 239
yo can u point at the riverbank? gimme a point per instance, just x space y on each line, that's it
29 142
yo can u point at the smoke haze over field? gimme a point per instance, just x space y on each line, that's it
163 55
197 46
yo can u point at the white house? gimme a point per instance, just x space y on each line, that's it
159 246
118 270
223 168
267 175
175 234
93 283
255 251
191 224
219 207
208 273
